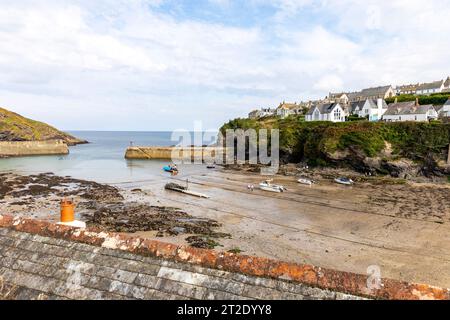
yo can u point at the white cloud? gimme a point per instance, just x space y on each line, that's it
129 64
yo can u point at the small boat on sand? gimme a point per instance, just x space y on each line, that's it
184 189
211 166
344 181
170 169
305 181
268 186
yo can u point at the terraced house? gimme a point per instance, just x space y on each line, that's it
382 92
410 111
431 87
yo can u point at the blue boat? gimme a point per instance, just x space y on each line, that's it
169 169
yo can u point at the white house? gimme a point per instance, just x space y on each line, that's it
373 109
286 109
445 110
409 111
356 107
264 112
326 112
432 87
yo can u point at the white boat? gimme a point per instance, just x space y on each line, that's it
345 181
268 186
305 181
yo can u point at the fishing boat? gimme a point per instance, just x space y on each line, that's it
268 186
344 181
308 182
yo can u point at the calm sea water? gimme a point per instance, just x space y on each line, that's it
101 160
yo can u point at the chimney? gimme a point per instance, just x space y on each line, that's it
380 103
417 101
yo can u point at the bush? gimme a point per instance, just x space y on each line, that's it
434 99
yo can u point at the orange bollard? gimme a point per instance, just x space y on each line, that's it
67 211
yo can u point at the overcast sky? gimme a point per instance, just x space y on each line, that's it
162 64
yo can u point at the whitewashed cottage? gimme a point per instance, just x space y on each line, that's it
409 111
373 109
326 112
445 110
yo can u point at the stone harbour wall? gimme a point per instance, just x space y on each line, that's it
33 148
177 153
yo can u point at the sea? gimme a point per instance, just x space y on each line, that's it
102 159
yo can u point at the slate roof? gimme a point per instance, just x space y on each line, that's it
42 260
447 103
447 82
430 85
438 108
407 108
323 108
408 87
355 104
374 103
376 91
47 268
336 95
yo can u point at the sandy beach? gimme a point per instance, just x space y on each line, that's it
402 227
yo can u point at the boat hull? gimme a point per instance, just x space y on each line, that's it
305 182
271 188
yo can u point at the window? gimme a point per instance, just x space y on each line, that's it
316 115
337 114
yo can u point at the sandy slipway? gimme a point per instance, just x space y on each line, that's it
102 206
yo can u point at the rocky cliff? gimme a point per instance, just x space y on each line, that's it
14 127
399 149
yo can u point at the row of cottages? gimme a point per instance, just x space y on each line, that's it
425 88
409 111
326 112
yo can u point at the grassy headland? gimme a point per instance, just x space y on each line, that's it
14 127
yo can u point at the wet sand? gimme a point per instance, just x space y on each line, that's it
402 228
328 225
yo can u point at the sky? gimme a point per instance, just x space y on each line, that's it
157 65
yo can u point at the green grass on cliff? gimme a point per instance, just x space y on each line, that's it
14 127
314 141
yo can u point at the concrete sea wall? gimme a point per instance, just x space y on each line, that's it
33 148
178 153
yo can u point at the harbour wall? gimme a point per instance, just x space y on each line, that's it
175 153
33 148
